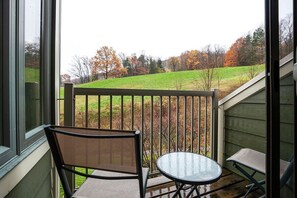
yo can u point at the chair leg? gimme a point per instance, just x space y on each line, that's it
251 186
252 179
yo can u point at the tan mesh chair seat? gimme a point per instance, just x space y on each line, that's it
255 160
99 188
114 155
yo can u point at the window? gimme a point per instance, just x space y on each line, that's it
25 76
7 92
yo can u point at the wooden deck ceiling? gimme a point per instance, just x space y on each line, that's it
229 185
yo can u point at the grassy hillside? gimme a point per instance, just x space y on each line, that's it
185 80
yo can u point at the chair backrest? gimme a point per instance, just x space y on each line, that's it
109 150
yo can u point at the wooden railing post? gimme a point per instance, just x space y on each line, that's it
214 153
68 104
69 120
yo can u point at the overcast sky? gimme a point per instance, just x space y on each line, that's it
160 28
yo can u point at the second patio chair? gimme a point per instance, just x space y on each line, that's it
255 161
115 157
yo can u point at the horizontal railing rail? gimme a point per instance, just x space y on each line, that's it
169 120
139 92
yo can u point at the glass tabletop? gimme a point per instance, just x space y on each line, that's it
188 167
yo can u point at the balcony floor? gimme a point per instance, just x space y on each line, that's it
229 185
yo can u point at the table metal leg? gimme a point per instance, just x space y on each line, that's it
191 191
179 187
197 191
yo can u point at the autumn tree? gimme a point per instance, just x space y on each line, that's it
126 63
107 62
118 71
192 61
247 50
231 57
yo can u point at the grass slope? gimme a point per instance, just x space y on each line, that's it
185 80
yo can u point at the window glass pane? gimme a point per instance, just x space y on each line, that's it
287 182
32 63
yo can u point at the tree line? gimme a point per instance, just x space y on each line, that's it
208 57
108 64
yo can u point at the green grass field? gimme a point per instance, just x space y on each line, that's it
184 80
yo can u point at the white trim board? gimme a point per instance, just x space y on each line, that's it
255 85
11 179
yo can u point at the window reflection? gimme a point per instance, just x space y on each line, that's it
32 63
285 27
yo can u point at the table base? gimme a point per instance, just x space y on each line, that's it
179 187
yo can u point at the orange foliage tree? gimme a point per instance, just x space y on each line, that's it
231 57
193 59
107 62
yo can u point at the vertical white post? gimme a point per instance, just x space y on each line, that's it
221 134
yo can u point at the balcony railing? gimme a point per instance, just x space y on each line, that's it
169 120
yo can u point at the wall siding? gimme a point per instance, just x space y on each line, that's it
37 183
245 123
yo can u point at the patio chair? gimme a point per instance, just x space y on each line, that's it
255 161
114 156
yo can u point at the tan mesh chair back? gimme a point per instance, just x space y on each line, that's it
106 150
98 149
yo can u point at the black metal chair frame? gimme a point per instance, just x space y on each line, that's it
61 167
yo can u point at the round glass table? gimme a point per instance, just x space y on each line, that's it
189 168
